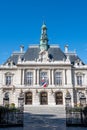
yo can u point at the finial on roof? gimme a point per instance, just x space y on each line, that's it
66 48
44 38
44 26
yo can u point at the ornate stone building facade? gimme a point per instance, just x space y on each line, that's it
43 75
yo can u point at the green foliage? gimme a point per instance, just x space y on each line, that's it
7 105
12 105
76 109
6 109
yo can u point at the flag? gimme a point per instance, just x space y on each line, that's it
44 83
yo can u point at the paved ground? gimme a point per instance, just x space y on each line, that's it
44 118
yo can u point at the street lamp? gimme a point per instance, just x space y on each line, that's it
6 99
6 102
83 101
21 101
68 101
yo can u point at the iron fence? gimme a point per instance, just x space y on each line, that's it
76 117
11 117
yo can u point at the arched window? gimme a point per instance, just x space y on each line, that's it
59 98
28 98
43 98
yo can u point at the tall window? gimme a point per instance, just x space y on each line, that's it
79 80
43 77
58 78
29 78
8 80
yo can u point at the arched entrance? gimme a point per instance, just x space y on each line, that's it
28 98
43 98
59 98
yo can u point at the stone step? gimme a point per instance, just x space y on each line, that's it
60 111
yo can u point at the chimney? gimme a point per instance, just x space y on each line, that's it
21 48
66 48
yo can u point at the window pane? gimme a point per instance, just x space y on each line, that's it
79 80
43 77
8 80
29 78
58 78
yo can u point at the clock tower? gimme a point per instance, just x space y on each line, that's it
44 39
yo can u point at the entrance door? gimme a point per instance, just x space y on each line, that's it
59 98
43 98
28 98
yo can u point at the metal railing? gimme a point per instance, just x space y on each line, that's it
76 117
11 117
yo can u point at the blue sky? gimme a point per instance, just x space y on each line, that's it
21 20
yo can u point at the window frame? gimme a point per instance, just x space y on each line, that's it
79 79
8 78
44 76
29 78
58 79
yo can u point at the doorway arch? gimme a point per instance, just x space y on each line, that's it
59 98
43 98
28 98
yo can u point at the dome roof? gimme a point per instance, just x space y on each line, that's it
43 26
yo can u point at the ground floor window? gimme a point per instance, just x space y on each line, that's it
59 98
43 98
28 98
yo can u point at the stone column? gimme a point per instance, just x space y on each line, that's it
23 77
69 80
4 79
52 76
38 76
49 77
63 78
34 77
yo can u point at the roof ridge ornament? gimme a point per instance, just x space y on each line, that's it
44 38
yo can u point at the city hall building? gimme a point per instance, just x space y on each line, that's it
43 75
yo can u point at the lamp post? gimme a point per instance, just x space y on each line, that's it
68 101
21 101
83 101
6 102
6 99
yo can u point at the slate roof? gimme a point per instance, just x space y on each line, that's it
74 57
13 58
32 53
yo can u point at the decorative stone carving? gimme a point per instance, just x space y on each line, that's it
43 56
